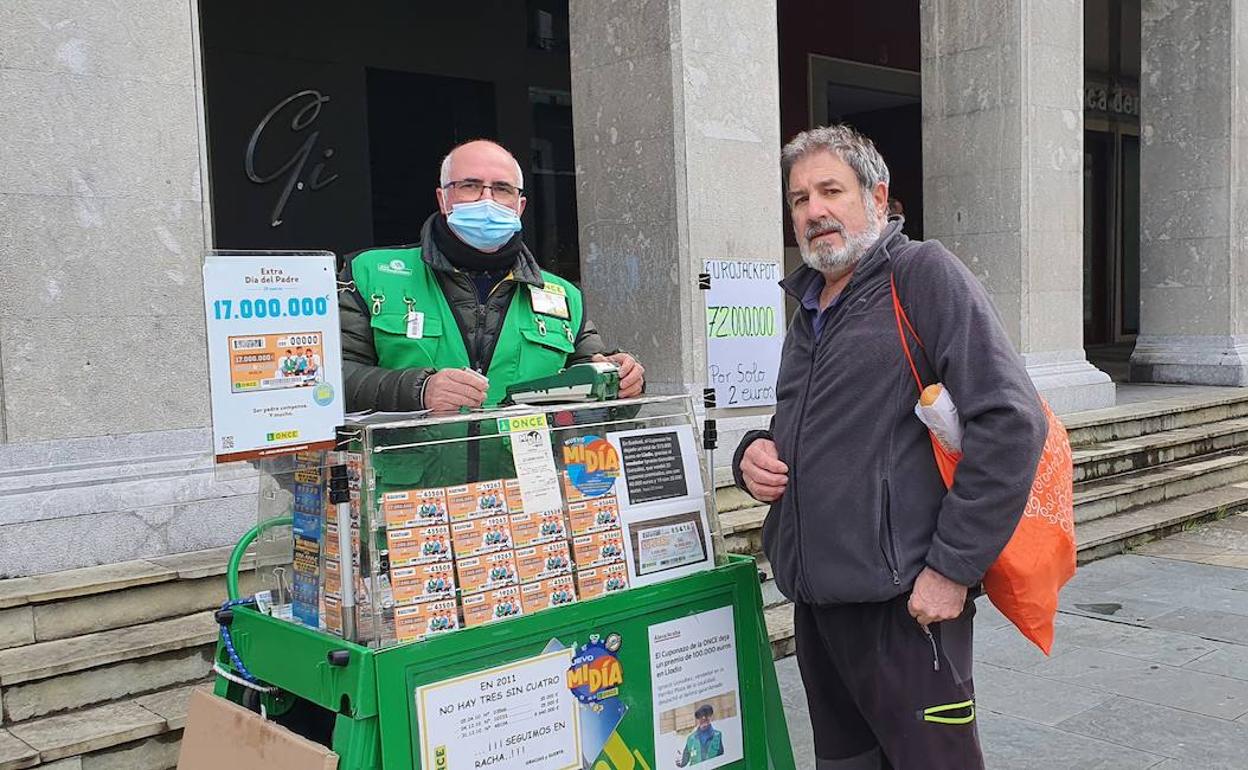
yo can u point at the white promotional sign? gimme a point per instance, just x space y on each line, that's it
697 701
519 716
274 353
744 331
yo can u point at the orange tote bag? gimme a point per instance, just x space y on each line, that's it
1026 578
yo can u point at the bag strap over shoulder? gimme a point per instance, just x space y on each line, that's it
900 315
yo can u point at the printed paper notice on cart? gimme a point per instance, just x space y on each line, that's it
662 504
274 353
519 716
697 702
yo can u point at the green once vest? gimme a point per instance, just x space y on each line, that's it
530 345
693 748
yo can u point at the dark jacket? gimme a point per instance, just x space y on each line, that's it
371 387
865 508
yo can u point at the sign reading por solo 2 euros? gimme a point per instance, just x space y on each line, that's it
744 331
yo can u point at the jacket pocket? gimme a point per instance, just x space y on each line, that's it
548 348
395 350
888 542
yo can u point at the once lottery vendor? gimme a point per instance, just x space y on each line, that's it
452 321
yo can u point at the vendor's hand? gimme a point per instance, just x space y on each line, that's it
448 389
765 476
632 374
936 598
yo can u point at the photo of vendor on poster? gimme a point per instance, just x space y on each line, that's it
703 743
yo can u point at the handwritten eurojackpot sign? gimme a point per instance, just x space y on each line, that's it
744 331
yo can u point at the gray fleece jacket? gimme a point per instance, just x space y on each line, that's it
865 509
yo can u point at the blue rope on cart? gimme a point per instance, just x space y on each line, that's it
228 640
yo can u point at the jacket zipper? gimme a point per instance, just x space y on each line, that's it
935 649
886 521
797 441
478 338
815 342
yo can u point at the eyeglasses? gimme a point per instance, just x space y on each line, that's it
473 189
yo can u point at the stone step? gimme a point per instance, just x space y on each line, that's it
743 529
1125 455
1147 417
1113 495
136 734
779 621
49 677
60 605
1094 501
728 498
1116 534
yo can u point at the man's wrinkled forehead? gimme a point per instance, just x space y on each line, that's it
819 169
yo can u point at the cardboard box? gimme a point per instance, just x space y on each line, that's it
414 508
477 536
418 545
594 515
597 548
422 582
489 606
511 492
597 581
547 594
542 561
220 734
417 621
533 528
471 501
486 572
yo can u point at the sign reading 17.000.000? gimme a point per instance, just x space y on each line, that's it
274 353
744 331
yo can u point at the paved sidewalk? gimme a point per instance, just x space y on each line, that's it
1149 670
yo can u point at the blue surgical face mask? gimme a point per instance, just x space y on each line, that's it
484 224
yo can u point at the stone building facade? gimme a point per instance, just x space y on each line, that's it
653 131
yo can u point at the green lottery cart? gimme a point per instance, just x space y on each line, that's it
527 588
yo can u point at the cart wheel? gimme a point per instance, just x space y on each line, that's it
251 700
279 703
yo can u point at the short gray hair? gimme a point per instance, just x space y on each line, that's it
846 143
444 176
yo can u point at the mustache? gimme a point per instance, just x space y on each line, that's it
823 226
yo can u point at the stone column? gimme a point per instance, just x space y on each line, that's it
1194 194
676 118
102 232
1003 173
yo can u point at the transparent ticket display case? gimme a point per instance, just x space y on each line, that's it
421 525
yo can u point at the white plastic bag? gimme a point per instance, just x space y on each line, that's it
936 410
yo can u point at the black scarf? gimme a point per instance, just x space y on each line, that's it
470 260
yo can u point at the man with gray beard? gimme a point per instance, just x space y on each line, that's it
881 561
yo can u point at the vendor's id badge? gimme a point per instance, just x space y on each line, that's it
415 325
549 303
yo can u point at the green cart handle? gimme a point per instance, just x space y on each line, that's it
236 556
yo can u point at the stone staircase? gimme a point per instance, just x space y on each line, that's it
96 664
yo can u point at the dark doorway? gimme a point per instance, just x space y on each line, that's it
406 147
898 135
366 99
1098 306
